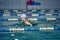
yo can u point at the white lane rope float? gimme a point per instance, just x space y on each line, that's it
29 29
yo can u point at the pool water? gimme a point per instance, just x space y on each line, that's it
31 35
42 18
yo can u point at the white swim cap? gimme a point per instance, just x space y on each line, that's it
23 16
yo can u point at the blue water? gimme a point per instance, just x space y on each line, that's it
31 35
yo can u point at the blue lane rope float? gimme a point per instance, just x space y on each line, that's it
28 29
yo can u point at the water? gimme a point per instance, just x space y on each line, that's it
31 35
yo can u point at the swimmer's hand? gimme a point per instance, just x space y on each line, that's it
30 25
34 24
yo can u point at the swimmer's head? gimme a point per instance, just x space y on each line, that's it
23 16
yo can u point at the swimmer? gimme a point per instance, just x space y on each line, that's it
23 18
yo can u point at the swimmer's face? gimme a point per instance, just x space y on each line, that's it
23 19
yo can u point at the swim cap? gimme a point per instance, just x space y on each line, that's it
23 16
